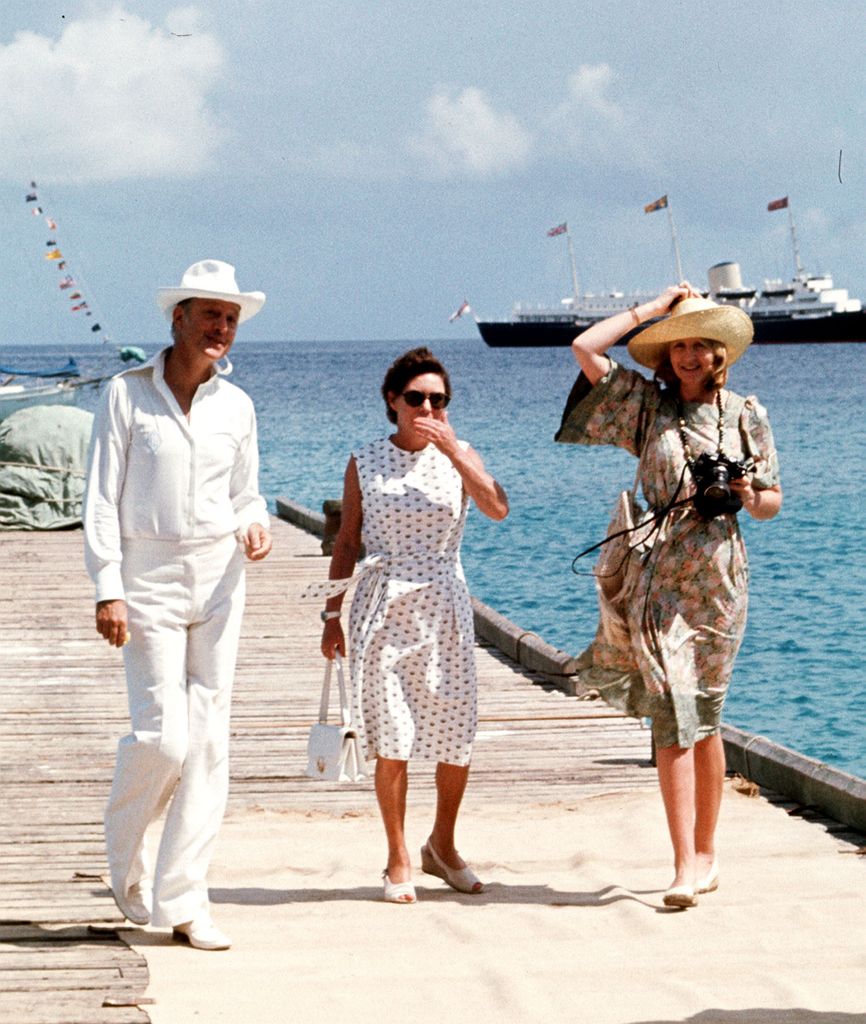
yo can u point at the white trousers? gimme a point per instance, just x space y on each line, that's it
185 602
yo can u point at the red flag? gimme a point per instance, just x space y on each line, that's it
659 204
560 229
778 204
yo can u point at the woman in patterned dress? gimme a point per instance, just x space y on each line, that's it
685 612
410 627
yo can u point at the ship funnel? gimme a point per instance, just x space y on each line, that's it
724 277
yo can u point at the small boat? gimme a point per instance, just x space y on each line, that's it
56 387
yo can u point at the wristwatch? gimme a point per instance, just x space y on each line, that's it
325 616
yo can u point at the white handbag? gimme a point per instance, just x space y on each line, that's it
334 751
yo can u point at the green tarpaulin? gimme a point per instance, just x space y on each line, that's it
43 451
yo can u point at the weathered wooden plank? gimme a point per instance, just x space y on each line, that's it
63 709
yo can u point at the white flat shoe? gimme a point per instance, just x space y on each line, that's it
133 904
398 892
680 896
462 879
711 882
201 934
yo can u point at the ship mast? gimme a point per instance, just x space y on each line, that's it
798 266
573 265
675 240
562 229
785 204
664 203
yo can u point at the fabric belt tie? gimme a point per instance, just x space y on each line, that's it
385 566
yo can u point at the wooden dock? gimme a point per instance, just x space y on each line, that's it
63 708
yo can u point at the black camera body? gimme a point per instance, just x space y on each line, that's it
713 473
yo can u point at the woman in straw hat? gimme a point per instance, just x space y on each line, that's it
683 606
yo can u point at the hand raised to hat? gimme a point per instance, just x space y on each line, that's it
669 298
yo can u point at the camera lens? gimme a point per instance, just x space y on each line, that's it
717 489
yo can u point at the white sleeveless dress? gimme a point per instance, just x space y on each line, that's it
411 632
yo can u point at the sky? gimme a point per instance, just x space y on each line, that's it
370 164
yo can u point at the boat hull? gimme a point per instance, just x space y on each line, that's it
768 331
14 397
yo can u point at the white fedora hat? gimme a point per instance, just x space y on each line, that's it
210 279
694 318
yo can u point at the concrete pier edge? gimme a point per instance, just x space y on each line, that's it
795 776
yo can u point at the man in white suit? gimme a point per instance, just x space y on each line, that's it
172 505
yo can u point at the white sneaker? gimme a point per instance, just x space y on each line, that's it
201 933
133 904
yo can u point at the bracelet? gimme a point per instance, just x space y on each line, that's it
633 311
327 616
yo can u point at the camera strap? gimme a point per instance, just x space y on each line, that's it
656 519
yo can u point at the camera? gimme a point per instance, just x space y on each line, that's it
713 473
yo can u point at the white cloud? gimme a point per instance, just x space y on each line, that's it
593 125
587 88
113 97
463 134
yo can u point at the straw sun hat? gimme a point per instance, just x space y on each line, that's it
210 279
693 318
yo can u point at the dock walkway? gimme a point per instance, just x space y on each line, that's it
63 708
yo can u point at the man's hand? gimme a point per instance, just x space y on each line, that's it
111 622
257 542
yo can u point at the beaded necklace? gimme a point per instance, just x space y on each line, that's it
681 420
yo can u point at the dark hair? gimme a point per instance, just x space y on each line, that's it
718 377
405 368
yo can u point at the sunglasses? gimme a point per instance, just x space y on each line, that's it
415 399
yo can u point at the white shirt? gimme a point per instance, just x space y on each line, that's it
154 474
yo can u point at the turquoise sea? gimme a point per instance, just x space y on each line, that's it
799 678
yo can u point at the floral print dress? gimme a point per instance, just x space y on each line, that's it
686 612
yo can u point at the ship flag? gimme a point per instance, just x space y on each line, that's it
778 204
464 307
659 204
560 229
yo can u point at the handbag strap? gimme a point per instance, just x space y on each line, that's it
345 717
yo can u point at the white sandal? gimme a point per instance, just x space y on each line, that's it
462 879
398 892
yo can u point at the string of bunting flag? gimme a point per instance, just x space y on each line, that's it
78 302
